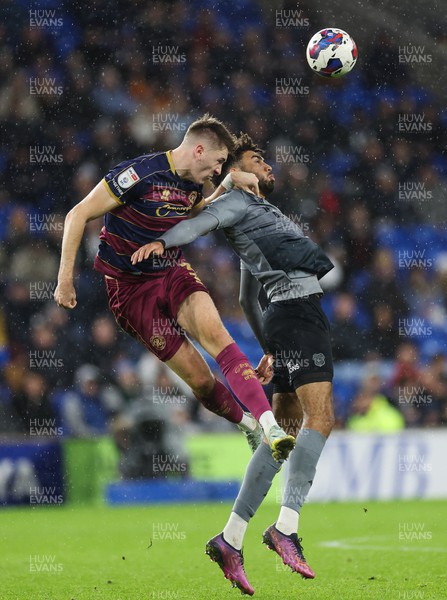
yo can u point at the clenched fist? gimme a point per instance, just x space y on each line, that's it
65 295
264 370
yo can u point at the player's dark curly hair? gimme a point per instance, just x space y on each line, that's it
243 144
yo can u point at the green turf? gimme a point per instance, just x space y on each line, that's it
103 553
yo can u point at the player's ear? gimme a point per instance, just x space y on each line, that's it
199 151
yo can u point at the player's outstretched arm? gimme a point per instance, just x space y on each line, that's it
222 213
181 234
95 204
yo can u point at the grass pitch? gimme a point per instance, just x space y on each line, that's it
393 550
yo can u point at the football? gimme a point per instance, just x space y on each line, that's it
331 52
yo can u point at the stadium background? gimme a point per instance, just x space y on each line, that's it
359 162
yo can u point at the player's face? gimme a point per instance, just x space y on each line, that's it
253 162
208 162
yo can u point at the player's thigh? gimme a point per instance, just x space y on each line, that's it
317 405
198 316
190 365
288 412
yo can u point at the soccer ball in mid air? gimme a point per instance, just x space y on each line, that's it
331 52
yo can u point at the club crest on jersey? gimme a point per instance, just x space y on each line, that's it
192 198
319 359
158 342
128 178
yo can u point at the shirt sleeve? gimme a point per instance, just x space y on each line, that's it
123 180
227 210
189 230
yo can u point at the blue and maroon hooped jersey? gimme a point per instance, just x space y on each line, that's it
151 198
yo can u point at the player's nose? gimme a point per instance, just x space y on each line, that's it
218 170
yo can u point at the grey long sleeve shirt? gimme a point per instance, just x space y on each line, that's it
274 249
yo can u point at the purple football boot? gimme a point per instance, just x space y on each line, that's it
289 549
231 561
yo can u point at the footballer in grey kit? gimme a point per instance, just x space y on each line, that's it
294 334
273 248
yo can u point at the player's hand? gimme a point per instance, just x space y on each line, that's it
65 294
264 370
155 248
245 181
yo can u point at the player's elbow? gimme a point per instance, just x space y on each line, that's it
71 217
77 214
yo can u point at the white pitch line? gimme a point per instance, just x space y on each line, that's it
358 543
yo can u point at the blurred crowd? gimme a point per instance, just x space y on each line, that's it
98 86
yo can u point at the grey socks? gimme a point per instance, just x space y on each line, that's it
302 466
257 481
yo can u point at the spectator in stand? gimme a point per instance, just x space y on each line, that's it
104 346
407 365
17 235
85 412
383 338
347 343
32 403
407 388
383 284
371 410
434 381
49 354
432 207
358 239
423 300
42 269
